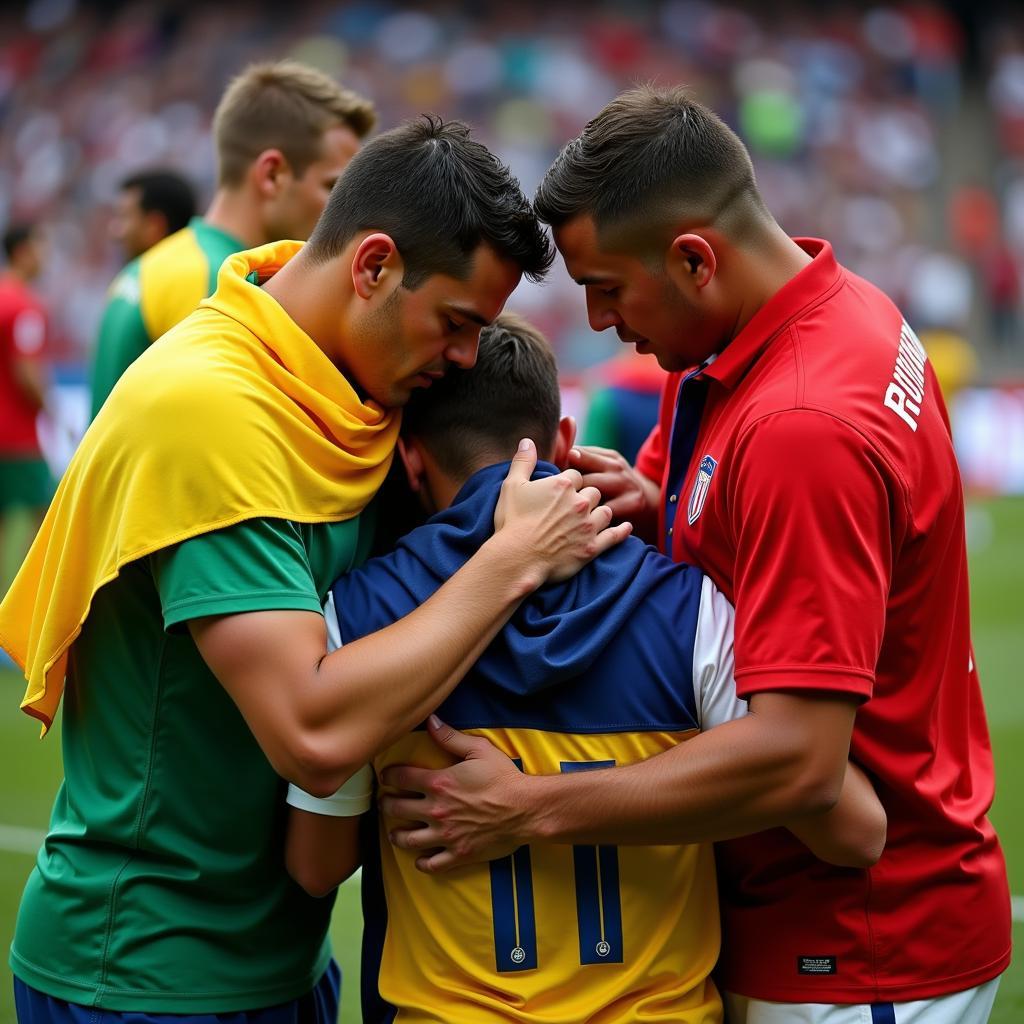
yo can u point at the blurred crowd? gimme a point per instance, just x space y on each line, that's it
852 115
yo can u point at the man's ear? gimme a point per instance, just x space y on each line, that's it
565 438
412 459
377 266
691 261
268 172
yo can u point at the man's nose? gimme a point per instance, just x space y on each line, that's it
600 314
463 352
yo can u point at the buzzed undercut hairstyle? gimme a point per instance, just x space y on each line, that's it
287 106
470 416
438 194
653 157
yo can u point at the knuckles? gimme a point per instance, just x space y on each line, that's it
437 784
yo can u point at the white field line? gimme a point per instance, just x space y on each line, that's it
15 839
1017 908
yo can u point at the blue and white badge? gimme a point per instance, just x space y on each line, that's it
700 488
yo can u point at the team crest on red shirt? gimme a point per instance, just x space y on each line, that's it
700 488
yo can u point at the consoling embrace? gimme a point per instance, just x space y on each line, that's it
540 848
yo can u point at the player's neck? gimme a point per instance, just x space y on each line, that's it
762 270
234 212
311 296
443 488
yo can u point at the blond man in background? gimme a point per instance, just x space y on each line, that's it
283 132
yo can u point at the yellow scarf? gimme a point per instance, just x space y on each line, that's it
234 414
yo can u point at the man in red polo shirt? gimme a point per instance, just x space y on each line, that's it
25 481
803 460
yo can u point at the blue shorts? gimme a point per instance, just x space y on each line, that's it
317 1007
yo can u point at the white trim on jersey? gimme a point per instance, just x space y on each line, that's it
354 797
714 685
331 619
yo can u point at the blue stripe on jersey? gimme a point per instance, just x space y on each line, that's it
610 650
598 902
883 1013
512 911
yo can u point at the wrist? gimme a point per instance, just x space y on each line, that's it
536 818
513 559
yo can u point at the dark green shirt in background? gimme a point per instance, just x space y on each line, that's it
151 294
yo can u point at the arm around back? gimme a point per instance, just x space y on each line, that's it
318 717
784 760
852 834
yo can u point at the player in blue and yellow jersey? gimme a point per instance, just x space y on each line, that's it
631 657
284 132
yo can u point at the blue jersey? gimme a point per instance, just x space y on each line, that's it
625 660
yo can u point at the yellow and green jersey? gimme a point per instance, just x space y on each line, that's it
153 293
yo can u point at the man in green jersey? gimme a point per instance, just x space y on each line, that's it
211 504
284 132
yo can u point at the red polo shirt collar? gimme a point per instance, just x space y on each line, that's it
819 279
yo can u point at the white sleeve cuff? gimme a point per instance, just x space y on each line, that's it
353 798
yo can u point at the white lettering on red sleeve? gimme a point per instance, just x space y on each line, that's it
905 392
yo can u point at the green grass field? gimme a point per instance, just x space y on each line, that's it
31 770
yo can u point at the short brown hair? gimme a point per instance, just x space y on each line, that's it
439 194
652 154
512 392
287 106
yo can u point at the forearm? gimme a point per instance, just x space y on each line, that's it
373 690
319 717
853 833
320 852
739 778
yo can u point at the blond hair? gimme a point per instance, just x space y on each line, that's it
283 105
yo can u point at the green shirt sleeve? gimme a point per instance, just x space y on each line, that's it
122 336
258 565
